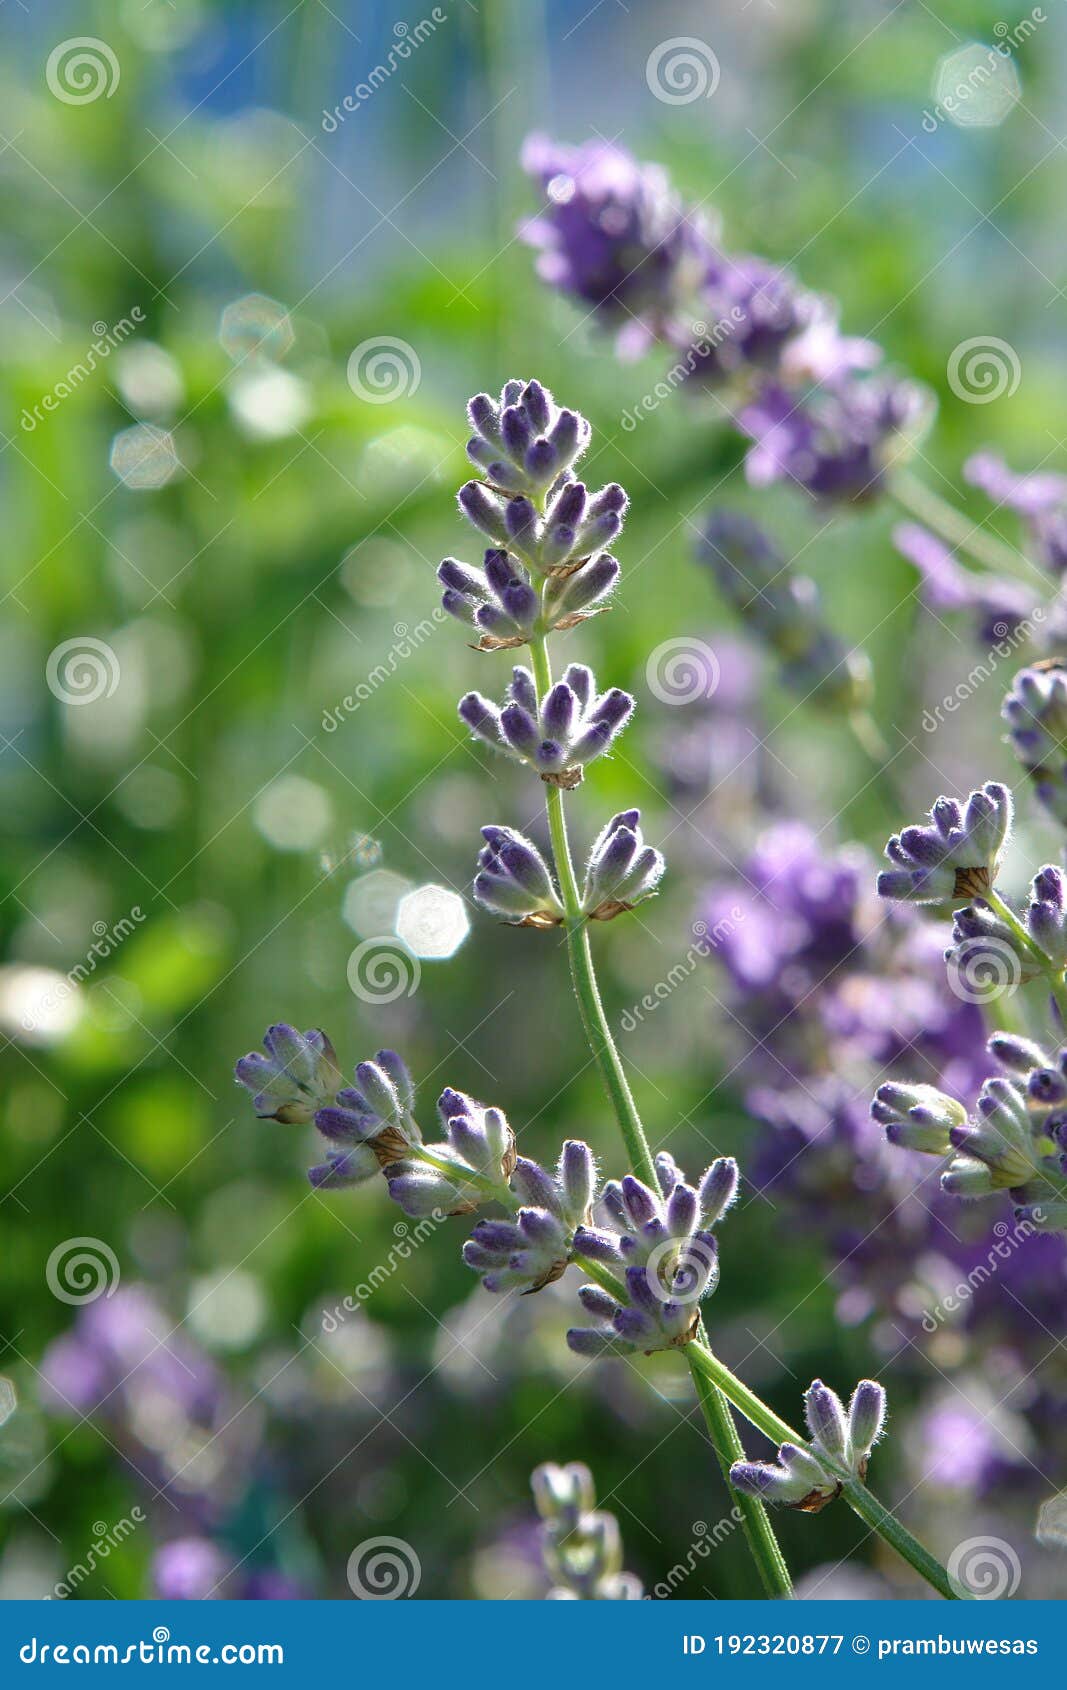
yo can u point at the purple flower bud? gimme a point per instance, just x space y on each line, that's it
826 1420
866 1419
297 1075
718 1189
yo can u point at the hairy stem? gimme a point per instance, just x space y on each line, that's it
1053 975
718 1418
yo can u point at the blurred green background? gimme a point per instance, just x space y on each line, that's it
285 545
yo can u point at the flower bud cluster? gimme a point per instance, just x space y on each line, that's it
664 1244
569 728
809 1476
956 856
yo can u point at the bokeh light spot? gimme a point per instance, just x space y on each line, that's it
144 457
293 814
976 87
255 327
432 922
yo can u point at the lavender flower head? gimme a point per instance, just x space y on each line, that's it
809 1476
665 1245
370 1123
472 1164
956 855
513 881
622 869
570 728
532 1250
613 234
296 1076
999 607
838 444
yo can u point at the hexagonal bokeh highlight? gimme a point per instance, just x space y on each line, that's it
432 922
144 457
255 327
976 87
8 1400
371 902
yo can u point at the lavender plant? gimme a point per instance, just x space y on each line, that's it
647 1241
580 1544
1015 1138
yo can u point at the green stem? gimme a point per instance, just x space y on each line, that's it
718 1419
856 1494
1053 975
874 1514
919 501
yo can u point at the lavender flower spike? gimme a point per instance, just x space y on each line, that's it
533 1250
956 856
375 1110
521 444
622 869
573 725
808 1477
298 1074
513 881
1036 713
453 1177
